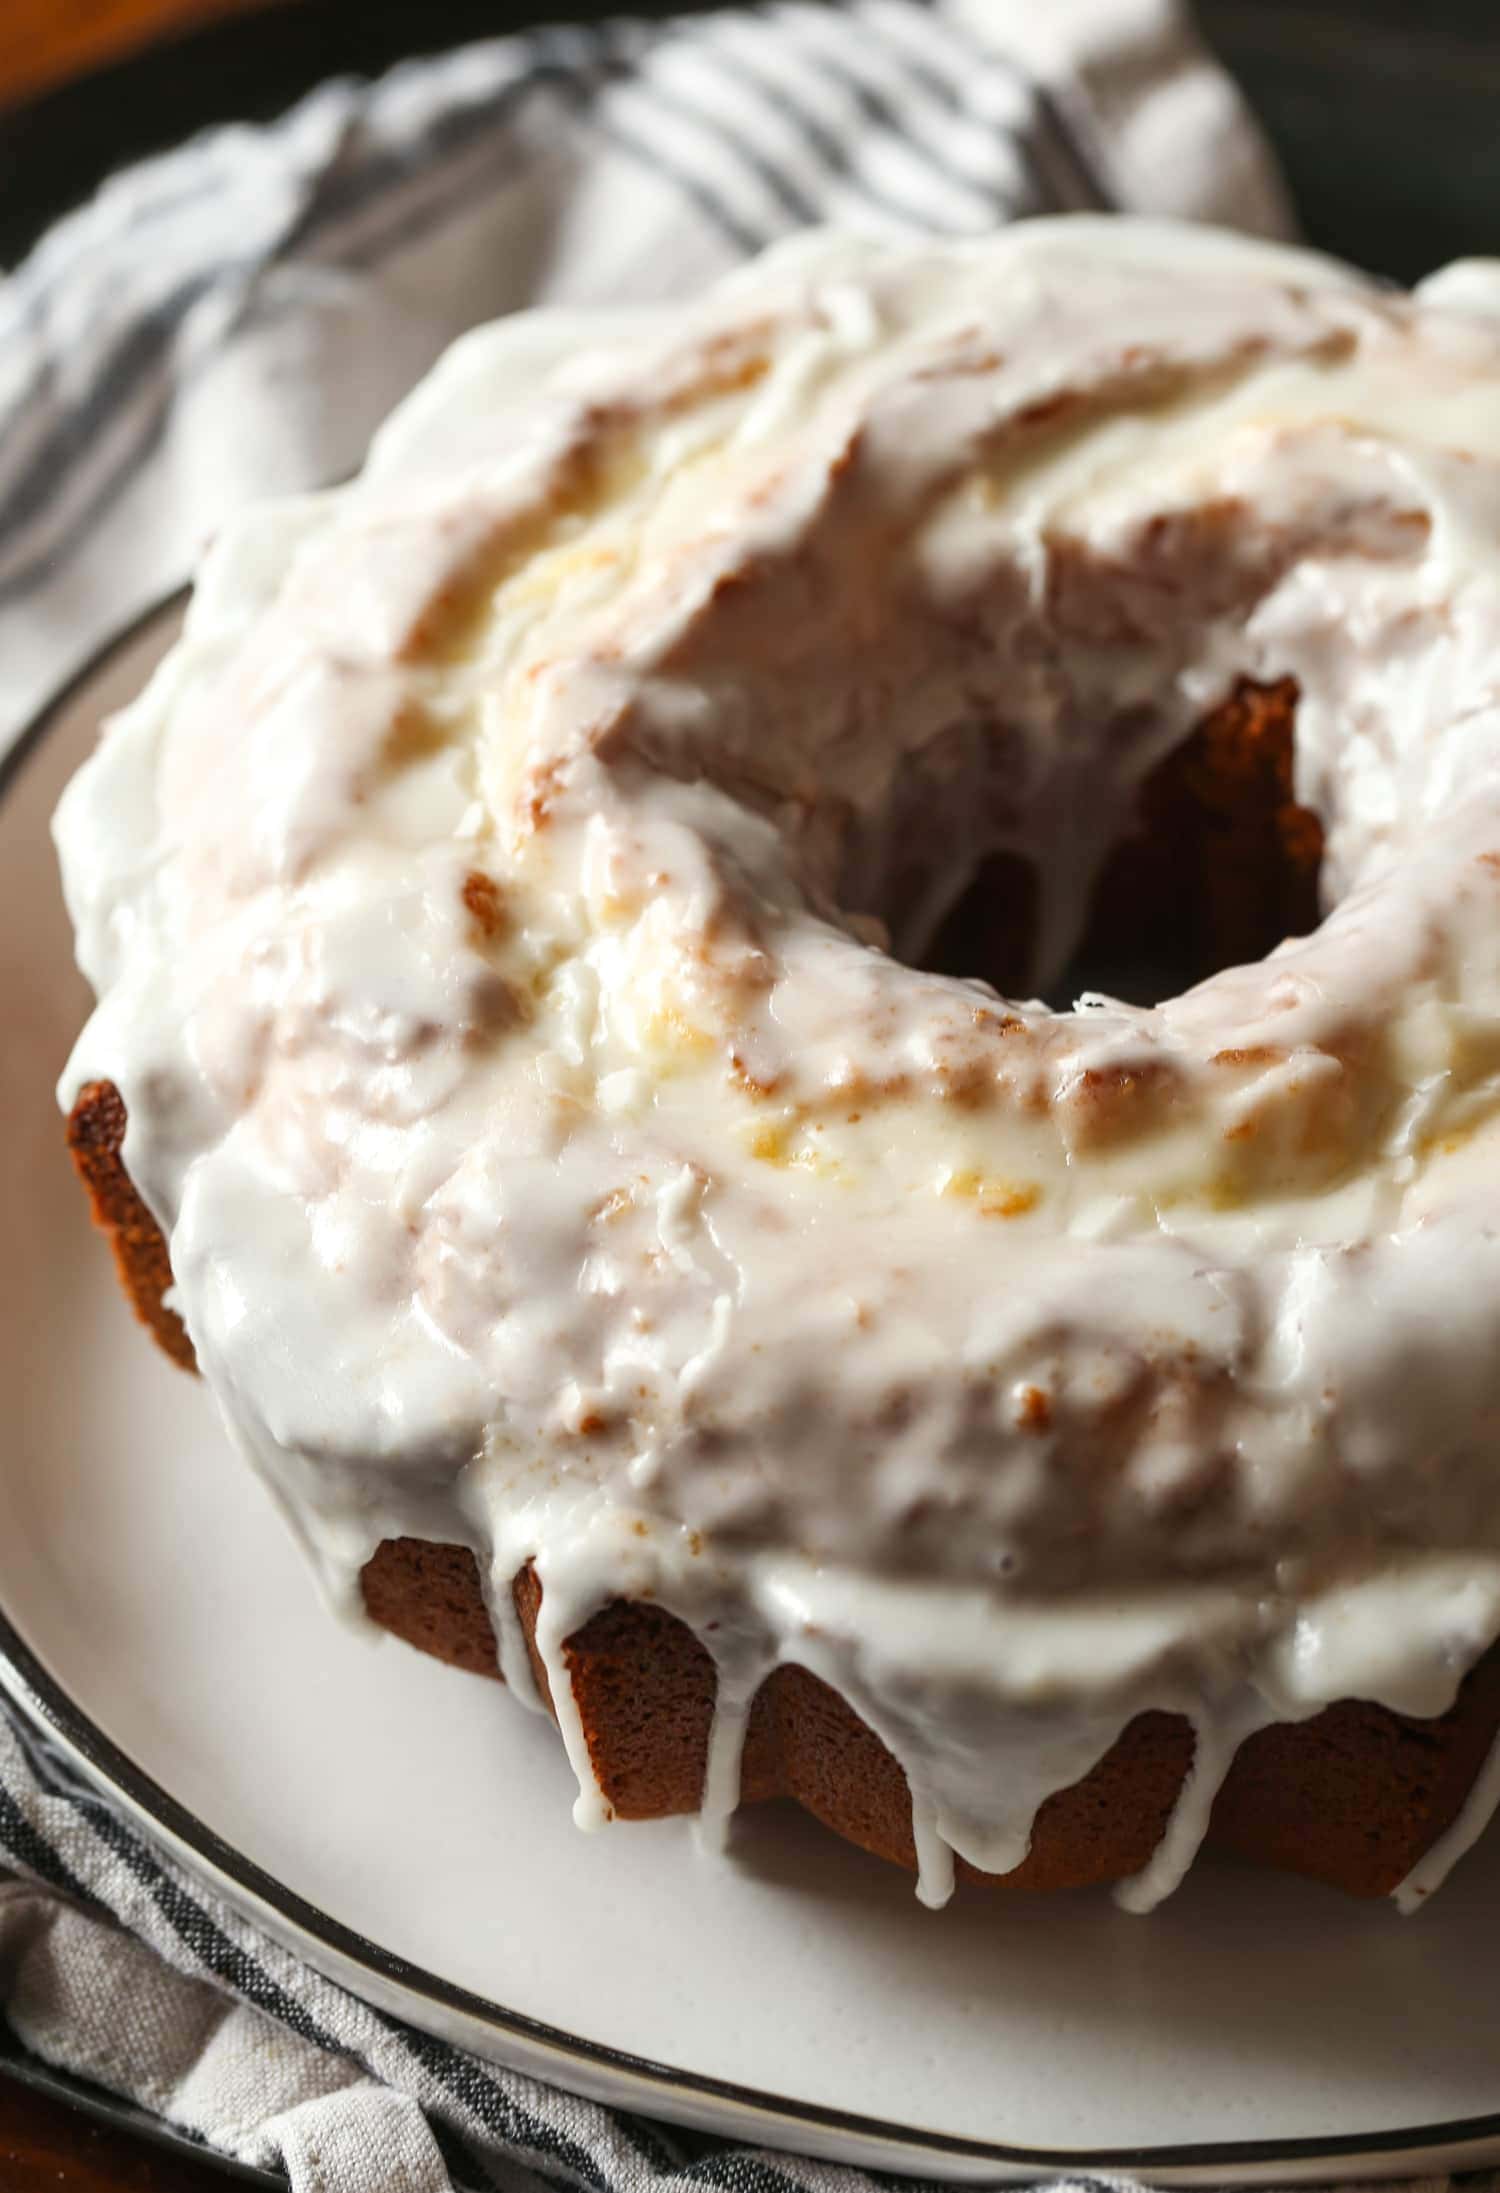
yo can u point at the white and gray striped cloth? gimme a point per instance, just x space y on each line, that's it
234 318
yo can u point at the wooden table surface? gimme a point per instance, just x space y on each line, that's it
42 41
48 2143
44 2142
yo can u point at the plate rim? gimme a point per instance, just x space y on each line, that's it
32 1687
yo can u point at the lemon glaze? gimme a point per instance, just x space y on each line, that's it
498 904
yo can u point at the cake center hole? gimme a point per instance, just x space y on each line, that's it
1220 864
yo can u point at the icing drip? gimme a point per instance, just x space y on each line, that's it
721 1773
514 1661
1474 1816
486 906
555 1625
1216 1739
935 1868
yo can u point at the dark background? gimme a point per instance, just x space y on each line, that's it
1386 113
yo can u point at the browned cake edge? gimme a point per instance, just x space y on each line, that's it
96 1138
1354 1796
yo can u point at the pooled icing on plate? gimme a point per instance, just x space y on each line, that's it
498 905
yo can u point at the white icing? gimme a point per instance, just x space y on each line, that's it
935 1867
1216 1739
1015 1371
721 1772
1473 1817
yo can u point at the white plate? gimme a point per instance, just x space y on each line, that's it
407 1828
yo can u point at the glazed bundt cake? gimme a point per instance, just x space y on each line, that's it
584 924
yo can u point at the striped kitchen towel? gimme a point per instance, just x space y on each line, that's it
234 319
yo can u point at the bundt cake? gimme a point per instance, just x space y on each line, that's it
582 925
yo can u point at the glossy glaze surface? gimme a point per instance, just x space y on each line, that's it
496 908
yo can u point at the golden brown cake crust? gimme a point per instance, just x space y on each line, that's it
1353 1797
96 1136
